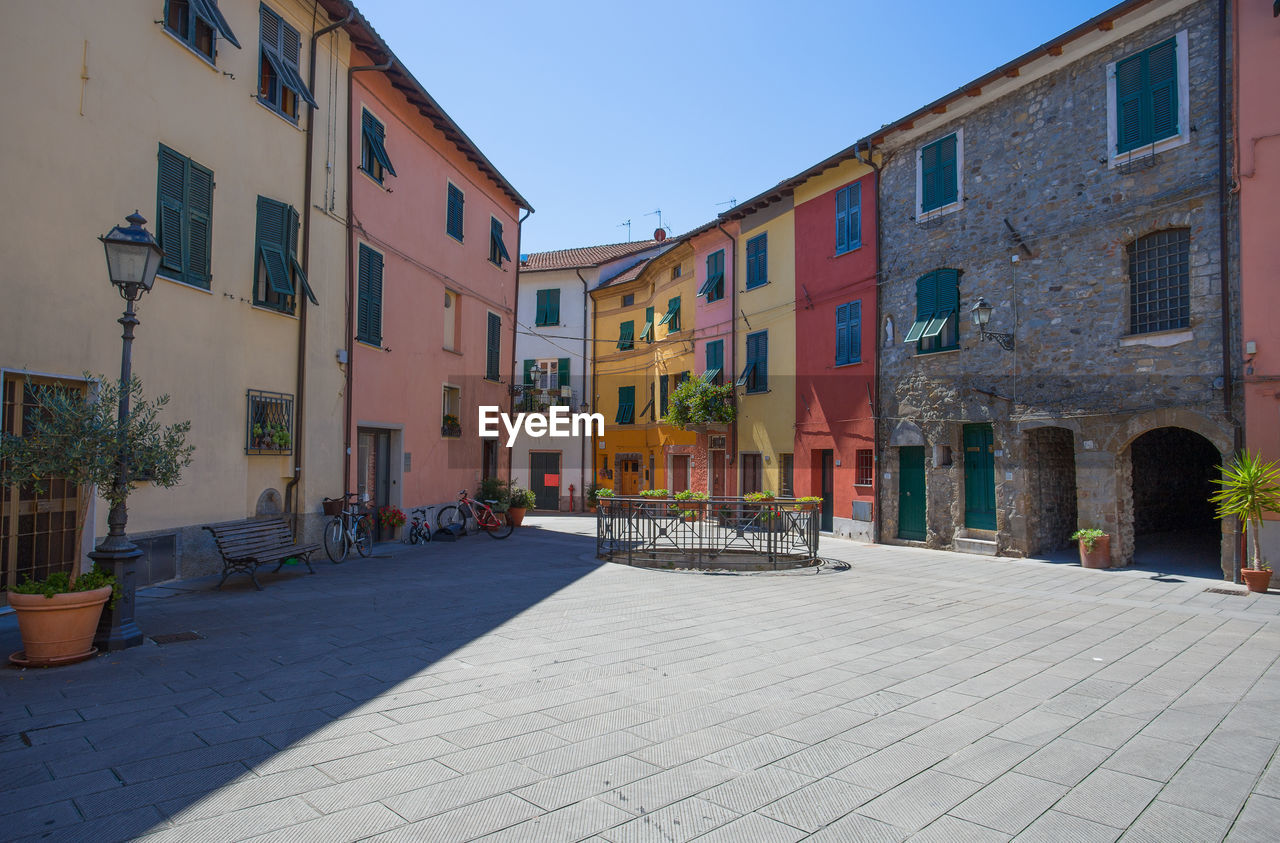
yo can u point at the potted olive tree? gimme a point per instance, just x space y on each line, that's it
1250 487
78 437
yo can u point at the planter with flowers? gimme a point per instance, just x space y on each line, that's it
1095 547
390 518
450 426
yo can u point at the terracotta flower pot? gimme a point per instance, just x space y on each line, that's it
1099 557
1257 580
57 629
515 515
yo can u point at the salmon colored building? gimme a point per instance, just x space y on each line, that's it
714 359
1257 38
835 213
434 237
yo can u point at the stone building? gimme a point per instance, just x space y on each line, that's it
1076 190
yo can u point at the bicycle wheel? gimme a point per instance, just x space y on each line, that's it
335 544
496 525
364 536
424 530
412 535
450 516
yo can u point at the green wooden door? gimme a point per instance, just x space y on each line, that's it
911 493
979 477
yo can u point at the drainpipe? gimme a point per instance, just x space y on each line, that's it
875 391
351 276
1224 253
595 439
582 446
733 343
515 309
301 387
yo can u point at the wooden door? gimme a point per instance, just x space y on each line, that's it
752 473
374 475
911 509
679 473
828 491
717 473
544 479
37 530
628 477
979 477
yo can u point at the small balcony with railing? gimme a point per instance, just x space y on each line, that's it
532 398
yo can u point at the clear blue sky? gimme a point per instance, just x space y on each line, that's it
601 111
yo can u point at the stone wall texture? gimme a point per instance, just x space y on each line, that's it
1042 235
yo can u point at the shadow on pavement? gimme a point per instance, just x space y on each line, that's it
113 747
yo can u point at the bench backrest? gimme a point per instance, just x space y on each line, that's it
244 538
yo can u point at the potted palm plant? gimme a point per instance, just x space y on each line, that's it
1249 487
77 438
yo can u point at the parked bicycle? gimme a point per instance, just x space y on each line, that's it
419 529
455 518
352 526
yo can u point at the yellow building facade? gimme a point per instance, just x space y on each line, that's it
643 335
765 348
206 140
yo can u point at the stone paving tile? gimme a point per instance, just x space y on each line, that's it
952 734
386 757
1106 730
754 828
661 789
887 729
1010 803
1209 789
1110 798
1063 761
240 824
466 822
948 829
1257 822
855 826
559 791
690 746
500 752
824 758
314 754
1163 822
245 792
814 806
756 789
575 756
40 818
1150 758
676 823
413 800
349 825
919 801
890 766
1056 827
570 823
1236 750
210 756
755 752
985 759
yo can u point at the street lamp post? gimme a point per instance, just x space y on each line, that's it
133 258
981 314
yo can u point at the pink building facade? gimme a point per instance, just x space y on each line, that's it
713 265
433 274
1257 142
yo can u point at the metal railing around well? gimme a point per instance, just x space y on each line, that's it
719 532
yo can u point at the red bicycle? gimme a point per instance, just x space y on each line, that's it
455 518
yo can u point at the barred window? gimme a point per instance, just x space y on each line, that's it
864 472
1159 281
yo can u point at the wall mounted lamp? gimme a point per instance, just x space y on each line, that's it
981 314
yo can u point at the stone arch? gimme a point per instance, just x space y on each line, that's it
906 433
269 503
1216 432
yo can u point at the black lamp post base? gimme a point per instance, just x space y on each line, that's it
117 630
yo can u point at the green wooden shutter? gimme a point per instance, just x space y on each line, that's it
553 307
762 361
1162 82
540 311
948 184
456 205
171 183
926 301
369 311
273 245
562 367
529 367
199 223
929 173
493 361
1129 88
664 394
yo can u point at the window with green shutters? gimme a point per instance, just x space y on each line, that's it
497 249
493 349
280 85
848 218
937 307
373 148
369 297
548 307
758 261
1146 98
755 373
277 275
672 317
664 394
849 333
714 371
184 217
939 175
453 216
626 405
713 286
626 335
197 23
646 333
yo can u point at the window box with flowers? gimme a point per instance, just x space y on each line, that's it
269 423
450 427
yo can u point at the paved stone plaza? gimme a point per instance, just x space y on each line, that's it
520 690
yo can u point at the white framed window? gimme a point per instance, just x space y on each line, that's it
1149 103
546 375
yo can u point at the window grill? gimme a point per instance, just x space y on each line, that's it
268 423
1159 282
864 467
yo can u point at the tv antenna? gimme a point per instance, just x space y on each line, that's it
659 213
628 226
732 202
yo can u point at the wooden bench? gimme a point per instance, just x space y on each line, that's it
246 544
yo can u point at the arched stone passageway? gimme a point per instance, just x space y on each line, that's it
1171 478
1051 462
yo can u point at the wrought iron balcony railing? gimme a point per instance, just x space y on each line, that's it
531 399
